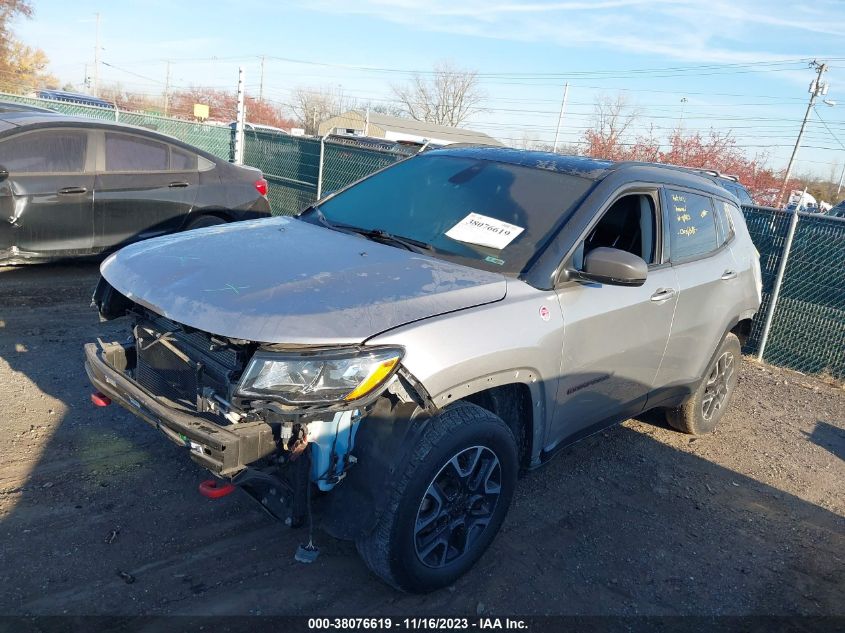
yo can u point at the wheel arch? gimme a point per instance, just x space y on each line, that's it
218 212
517 396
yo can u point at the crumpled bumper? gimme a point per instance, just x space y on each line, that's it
224 450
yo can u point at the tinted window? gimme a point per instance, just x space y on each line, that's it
133 153
724 226
50 151
739 191
691 224
180 160
425 197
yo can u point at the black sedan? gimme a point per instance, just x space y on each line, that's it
72 186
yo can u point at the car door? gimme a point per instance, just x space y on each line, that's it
614 336
708 285
46 201
144 187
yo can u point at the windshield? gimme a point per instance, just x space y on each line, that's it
486 214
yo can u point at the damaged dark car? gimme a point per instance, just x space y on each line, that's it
74 187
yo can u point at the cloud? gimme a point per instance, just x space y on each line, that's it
718 31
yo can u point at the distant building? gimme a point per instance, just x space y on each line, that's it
394 128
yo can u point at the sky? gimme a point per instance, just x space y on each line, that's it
731 65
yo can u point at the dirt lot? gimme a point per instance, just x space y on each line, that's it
637 520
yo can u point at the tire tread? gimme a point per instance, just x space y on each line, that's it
374 548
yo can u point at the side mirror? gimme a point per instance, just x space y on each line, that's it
4 173
613 266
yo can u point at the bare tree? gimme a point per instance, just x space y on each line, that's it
612 120
312 106
449 96
381 107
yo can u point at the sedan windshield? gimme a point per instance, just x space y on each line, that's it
481 213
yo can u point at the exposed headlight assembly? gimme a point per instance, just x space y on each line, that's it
328 377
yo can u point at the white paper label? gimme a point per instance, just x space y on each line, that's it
484 231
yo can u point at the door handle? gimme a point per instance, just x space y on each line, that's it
64 191
662 294
178 184
729 274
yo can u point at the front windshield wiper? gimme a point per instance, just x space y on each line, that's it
383 236
373 234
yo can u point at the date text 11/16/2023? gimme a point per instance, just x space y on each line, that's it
412 624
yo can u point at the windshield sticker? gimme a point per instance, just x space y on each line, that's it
484 231
494 260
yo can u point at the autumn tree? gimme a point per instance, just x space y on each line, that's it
21 68
448 96
223 106
610 137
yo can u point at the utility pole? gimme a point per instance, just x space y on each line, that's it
367 123
261 83
97 57
841 178
560 116
681 120
167 89
241 118
817 88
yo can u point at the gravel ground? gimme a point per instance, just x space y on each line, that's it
636 520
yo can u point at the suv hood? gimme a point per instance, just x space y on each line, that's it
282 280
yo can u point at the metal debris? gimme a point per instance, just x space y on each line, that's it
127 577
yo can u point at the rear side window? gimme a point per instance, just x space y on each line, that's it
742 194
48 151
125 152
691 225
180 160
724 225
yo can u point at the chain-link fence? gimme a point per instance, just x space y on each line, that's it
346 162
214 139
291 166
808 325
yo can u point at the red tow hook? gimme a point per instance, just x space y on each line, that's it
100 400
212 489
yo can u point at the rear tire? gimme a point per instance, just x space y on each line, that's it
447 502
204 221
701 413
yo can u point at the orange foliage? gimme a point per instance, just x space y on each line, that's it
714 150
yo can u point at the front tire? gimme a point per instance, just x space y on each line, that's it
447 503
701 413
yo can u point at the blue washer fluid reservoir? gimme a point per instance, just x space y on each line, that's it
327 437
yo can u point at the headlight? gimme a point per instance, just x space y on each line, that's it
319 377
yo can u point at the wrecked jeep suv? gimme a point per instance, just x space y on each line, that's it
410 343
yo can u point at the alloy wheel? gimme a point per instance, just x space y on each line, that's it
717 386
457 506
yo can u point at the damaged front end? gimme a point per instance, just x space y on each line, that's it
271 419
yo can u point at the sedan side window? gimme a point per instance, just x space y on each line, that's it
691 225
125 152
48 151
180 160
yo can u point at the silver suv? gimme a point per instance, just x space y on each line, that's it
415 340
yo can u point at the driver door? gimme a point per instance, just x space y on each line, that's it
614 336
